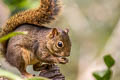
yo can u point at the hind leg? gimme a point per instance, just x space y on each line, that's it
19 57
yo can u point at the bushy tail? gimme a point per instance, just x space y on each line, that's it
44 14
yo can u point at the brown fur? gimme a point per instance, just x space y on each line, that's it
38 46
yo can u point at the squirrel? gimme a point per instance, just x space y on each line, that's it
42 44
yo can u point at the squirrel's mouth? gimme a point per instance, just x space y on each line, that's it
64 61
61 59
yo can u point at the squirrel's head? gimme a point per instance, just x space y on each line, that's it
59 43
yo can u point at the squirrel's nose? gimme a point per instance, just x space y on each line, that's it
67 54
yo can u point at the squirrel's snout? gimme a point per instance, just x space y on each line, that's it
67 55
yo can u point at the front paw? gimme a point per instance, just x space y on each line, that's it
63 60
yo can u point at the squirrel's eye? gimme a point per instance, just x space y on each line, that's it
60 44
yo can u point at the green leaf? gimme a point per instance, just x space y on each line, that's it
6 37
109 61
107 75
99 75
103 75
13 2
16 6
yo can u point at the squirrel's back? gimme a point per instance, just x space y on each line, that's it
44 14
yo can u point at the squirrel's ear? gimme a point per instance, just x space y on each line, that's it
66 30
53 33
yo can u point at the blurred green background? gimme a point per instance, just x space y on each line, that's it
91 24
